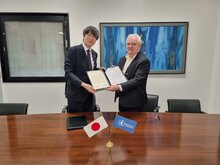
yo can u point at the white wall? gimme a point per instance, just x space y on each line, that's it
214 103
202 53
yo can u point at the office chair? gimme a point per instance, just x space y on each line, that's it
152 104
13 108
65 108
184 105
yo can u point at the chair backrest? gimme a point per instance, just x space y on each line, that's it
152 104
65 108
13 108
184 105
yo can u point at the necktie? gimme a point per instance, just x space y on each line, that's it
89 59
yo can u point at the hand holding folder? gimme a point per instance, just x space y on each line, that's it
102 79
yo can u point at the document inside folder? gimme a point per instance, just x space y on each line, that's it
115 75
102 79
98 79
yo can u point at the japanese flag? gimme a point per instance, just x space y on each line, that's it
96 126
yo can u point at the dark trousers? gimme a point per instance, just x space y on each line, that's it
131 109
86 106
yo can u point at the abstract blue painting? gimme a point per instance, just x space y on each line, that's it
164 44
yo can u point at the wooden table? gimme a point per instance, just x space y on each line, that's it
177 139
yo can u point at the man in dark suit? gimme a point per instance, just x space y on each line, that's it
78 60
135 65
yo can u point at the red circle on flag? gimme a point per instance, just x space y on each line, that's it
95 126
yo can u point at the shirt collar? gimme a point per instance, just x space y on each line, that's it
85 48
130 57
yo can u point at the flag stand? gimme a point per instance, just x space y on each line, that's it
109 144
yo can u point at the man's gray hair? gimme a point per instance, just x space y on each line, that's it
138 38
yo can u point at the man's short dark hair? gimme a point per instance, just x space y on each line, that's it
91 29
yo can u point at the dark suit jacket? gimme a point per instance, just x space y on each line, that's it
134 90
75 67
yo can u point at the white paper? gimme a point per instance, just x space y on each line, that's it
101 80
98 79
115 75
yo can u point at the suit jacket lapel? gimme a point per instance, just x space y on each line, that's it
94 58
122 63
84 58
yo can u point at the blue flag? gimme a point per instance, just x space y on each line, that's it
124 124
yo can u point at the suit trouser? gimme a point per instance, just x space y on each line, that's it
85 106
131 109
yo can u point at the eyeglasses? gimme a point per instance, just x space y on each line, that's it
90 35
131 44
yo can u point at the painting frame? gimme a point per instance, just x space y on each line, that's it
164 43
33 46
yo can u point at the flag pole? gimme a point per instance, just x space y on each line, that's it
110 144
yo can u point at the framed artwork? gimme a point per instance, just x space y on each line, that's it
33 46
164 44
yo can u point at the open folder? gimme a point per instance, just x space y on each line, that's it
102 79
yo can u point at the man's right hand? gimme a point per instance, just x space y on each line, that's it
88 87
113 88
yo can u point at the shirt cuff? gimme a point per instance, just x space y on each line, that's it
120 88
